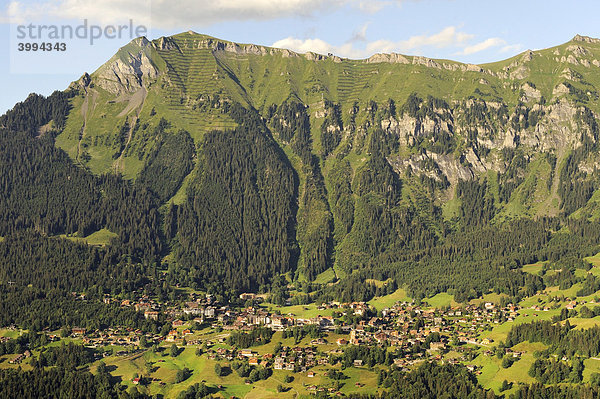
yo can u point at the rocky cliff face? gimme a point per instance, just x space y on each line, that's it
557 131
130 69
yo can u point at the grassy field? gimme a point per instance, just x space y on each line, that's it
325 277
581 324
591 366
376 283
5 332
570 293
489 367
101 238
5 359
441 300
530 346
595 261
492 297
181 194
492 374
451 209
534 268
387 301
515 373
162 369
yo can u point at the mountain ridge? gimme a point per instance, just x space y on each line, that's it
216 44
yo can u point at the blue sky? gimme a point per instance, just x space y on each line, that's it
467 31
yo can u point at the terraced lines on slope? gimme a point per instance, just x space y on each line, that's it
353 78
345 83
192 73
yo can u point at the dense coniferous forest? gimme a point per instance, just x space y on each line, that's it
314 218
237 226
37 111
44 272
43 194
556 392
561 338
42 190
168 164
60 383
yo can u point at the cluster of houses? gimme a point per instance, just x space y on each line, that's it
404 326
300 359
247 318
408 324
113 337
20 358
570 305
401 326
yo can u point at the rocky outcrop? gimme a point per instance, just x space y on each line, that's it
560 88
578 51
167 43
392 58
530 93
585 39
428 62
556 130
314 56
130 69
81 84
570 74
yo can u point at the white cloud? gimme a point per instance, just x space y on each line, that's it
372 6
449 37
481 46
303 46
165 14
182 13
511 48
16 13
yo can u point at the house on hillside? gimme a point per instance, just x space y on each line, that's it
151 314
177 323
171 336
